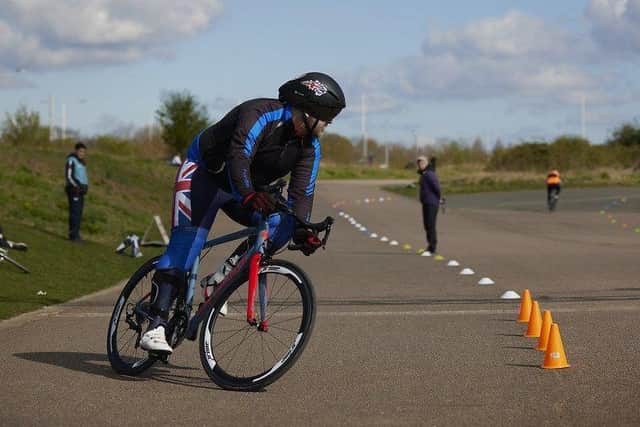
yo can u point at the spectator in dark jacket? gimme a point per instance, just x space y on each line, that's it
76 186
430 198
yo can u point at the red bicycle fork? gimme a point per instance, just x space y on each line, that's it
254 268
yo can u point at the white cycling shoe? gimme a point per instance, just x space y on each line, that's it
155 340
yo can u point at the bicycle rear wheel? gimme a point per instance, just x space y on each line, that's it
239 355
129 321
553 200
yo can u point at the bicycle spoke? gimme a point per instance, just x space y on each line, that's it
232 335
248 353
275 338
270 351
285 320
127 340
262 352
283 306
235 348
283 329
127 345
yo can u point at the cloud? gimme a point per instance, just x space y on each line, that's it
615 24
40 34
512 56
10 79
513 35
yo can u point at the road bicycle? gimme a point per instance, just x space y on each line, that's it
552 199
241 347
5 245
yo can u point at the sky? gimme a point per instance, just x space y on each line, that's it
423 70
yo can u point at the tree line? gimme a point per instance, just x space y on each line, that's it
180 117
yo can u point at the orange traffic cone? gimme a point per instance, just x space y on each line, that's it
525 307
555 358
535 322
545 331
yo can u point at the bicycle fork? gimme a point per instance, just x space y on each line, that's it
259 283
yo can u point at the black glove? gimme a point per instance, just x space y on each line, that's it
309 241
260 201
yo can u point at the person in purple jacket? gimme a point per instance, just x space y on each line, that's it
430 198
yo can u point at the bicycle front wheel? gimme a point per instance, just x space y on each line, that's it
238 354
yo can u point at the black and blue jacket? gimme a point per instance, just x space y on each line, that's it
254 145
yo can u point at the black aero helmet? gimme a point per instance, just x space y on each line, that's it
316 94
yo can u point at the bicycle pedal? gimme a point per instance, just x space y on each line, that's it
160 355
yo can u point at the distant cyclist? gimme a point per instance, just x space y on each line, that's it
553 188
256 143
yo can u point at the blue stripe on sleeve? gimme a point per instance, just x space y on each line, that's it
263 120
316 165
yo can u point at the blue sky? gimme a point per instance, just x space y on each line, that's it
455 69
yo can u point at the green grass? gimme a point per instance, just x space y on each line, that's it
62 269
363 172
126 190
471 179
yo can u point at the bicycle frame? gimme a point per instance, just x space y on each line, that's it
250 262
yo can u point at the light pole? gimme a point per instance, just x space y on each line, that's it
52 112
583 117
363 119
415 141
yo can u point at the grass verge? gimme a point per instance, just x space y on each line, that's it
470 179
62 269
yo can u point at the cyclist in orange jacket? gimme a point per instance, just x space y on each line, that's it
553 184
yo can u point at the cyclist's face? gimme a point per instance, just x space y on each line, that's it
301 128
320 127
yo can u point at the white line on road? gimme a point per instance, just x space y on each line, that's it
389 313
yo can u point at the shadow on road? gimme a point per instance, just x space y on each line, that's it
523 365
90 363
98 364
518 347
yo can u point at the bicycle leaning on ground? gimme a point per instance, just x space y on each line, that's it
5 245
238 351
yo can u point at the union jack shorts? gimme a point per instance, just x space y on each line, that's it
182 194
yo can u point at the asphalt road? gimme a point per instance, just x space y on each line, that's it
399 339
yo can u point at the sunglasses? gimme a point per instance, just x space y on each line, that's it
308 116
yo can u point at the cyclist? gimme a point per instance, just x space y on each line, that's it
256 143
553 185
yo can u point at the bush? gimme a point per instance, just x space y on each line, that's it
23 128
529 156
181 117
